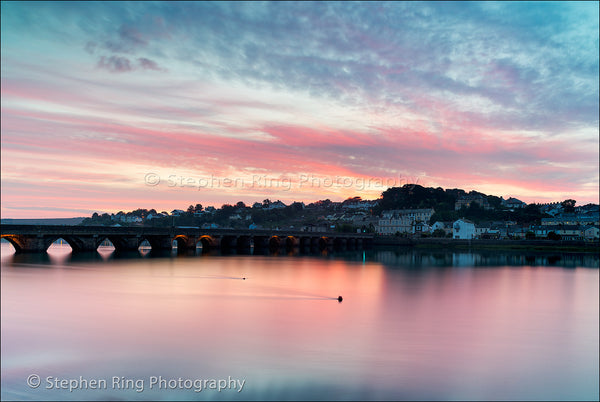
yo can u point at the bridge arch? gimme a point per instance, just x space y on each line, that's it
291 242
118 242
105 239
144 244
208 242
16 241
76 243
323 242
274 242
305 241
185 242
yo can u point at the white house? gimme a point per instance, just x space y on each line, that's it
438 225
463 229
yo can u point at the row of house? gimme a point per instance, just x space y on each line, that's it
404 221
465 229
585 218
414 222
468 199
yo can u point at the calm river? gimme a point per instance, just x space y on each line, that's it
412 325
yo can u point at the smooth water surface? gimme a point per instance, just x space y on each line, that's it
412 325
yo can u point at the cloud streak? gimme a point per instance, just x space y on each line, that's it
500 97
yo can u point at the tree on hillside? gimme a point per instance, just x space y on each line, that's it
443 216
224 213
321 203
352 200
414 196
530 215
295 206
568 205
495 202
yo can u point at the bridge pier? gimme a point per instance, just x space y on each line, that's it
80 243
261 242
229 242
159 242
304 241
244 242
340 243
126 243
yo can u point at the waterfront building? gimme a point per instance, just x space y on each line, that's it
463 229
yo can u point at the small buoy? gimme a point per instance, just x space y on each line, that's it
340 298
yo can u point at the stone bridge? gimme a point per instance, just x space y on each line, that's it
37 238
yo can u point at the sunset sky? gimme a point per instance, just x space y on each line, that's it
110 106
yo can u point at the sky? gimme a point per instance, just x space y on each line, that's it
110 106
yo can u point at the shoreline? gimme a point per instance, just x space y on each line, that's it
541 245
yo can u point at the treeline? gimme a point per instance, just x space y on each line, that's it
265 215
238 215
443 201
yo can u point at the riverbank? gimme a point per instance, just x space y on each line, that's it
542 245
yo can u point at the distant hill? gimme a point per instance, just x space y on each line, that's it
46 221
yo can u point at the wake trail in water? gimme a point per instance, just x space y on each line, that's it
297 292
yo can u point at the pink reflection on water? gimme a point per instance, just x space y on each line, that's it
106 252
59 253
426 333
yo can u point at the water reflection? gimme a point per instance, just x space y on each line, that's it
412 325
402 257
106 252
425 258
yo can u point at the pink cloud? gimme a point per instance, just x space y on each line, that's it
464 153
